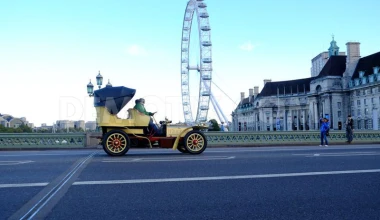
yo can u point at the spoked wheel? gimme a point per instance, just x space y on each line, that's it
195 142
116 143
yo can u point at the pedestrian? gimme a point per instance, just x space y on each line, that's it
324 130
349 129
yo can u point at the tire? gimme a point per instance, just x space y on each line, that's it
182 149
116 143
195 142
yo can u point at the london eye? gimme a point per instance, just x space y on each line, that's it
197 9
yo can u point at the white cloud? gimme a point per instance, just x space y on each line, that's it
248 46
136 50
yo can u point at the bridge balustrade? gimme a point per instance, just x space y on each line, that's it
214 139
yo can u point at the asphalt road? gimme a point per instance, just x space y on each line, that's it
341 182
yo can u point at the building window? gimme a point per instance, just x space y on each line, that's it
363 92
358 102
365 101
358 112
359 124
366 124
339 114
358 92
372 100
366 111
339 105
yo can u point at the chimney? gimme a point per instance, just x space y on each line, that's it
353 56
353 52
250 95
255 91
267 80
242 96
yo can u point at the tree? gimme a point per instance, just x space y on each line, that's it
21 129
214 126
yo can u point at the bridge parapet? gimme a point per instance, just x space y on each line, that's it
287 138
81 140
42 140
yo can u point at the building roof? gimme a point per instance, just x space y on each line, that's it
8 117
246 101
366 64
286 87
335 66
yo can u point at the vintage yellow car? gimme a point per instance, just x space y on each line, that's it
119 133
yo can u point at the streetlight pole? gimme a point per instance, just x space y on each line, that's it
99 83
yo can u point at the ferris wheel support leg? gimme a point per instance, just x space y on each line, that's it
217 104
216 109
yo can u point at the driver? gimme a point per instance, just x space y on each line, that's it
140 107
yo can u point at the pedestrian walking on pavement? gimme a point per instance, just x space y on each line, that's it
324 130
349 129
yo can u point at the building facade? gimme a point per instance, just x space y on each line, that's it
345 84
9 121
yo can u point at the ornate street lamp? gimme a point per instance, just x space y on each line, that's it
99 80
90 89
109 84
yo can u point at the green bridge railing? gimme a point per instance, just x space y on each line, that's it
43 140
287 138
82 140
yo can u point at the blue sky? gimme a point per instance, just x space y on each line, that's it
50 49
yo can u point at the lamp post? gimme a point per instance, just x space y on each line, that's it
90 89
99 83
99 80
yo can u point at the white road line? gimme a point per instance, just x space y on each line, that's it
274 149
167 159
43 201
27 155
186 179
22 185
342 155
9 162
339 153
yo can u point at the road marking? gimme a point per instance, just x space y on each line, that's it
43 201
339 154
167 159
274 149
27 155
8 162
343 155
348 152
259 176
22 185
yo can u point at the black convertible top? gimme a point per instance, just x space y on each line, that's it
113 98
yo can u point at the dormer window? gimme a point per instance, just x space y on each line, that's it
371 78
376 69
357 82
361 74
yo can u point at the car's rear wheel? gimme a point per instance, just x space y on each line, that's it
116 143
195 142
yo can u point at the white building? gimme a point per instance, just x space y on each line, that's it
91 125
12 122
346 84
